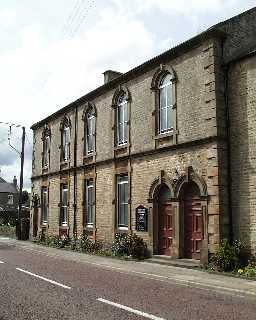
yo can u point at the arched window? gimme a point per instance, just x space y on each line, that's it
89 118
121 104
65 127
46 147
163 86
122 120
165 104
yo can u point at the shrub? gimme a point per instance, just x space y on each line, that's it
229 256
129 245
120 245
85 244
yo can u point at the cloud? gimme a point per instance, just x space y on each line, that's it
42 70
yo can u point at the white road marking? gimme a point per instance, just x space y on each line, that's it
1 262
43 278
140 313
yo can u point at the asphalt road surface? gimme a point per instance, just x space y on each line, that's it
34 285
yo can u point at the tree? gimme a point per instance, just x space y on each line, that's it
25 197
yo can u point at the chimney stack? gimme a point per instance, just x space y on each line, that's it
111 75
15 181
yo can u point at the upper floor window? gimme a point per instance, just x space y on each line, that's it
46 147
121 105
163 86
65 128
122 201
122 120
165 104
10 199
89 203
89 118
44 205
64 205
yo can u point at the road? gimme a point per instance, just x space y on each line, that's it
37 285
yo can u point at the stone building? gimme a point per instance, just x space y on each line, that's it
171 140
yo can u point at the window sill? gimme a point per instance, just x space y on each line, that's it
65 163
122 229
90 155
89 227
44 225
64 227
90 158
121 146
164 135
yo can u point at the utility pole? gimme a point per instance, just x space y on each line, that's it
18 231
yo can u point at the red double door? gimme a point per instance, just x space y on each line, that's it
165 224
193 228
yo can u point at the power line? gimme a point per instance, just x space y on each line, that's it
78 7
11 124
83 16
73 23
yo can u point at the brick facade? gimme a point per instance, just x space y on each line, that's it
201 150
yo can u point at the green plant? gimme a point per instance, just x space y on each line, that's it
229 256
129 245
86 245
120 246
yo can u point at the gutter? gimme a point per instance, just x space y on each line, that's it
226 82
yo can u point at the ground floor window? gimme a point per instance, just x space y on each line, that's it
64 205
44 206
89 203
122 201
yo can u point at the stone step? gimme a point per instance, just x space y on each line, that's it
165 260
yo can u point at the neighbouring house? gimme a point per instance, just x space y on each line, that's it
166 150
9 199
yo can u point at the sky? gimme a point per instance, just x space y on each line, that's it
54 51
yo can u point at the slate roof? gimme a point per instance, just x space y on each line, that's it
6 187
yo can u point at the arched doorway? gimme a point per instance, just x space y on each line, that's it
165 221
192 221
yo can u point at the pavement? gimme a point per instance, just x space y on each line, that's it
38 282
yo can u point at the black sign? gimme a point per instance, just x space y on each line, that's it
141 218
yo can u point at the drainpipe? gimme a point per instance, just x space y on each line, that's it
226 83
75 180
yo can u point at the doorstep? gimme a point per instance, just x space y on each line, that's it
166 260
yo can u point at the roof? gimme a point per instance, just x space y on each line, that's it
213 31
7 188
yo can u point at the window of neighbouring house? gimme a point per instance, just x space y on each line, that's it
64 205
10 199
122 201
89 203
44 205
